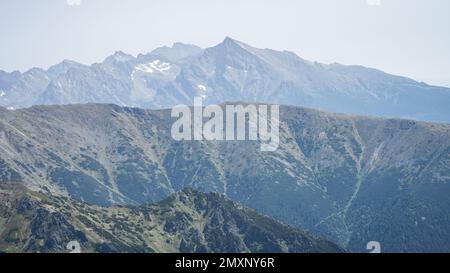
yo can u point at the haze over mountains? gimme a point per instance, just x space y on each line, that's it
350 179
229 71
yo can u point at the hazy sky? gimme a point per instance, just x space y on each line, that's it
405 37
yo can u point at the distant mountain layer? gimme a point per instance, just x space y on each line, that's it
230 71
188 221
350 179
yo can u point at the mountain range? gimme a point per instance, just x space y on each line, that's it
229 71
188 221
350 179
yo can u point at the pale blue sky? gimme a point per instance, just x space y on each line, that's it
405 37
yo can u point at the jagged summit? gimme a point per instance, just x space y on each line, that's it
231 43
63 67
229 71
229 40
179 52
119 56
189 221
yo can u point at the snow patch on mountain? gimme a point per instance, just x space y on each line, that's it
201 87
2 93
230 71
153 66
144 68
160 66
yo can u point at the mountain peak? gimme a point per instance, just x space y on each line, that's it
179 45
67 61
62 67
119 53
189 191
230 44
216 228
178 51
119 56
230 41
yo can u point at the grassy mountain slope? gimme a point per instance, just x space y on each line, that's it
188 221
351 179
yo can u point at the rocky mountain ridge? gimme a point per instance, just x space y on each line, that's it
351 179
